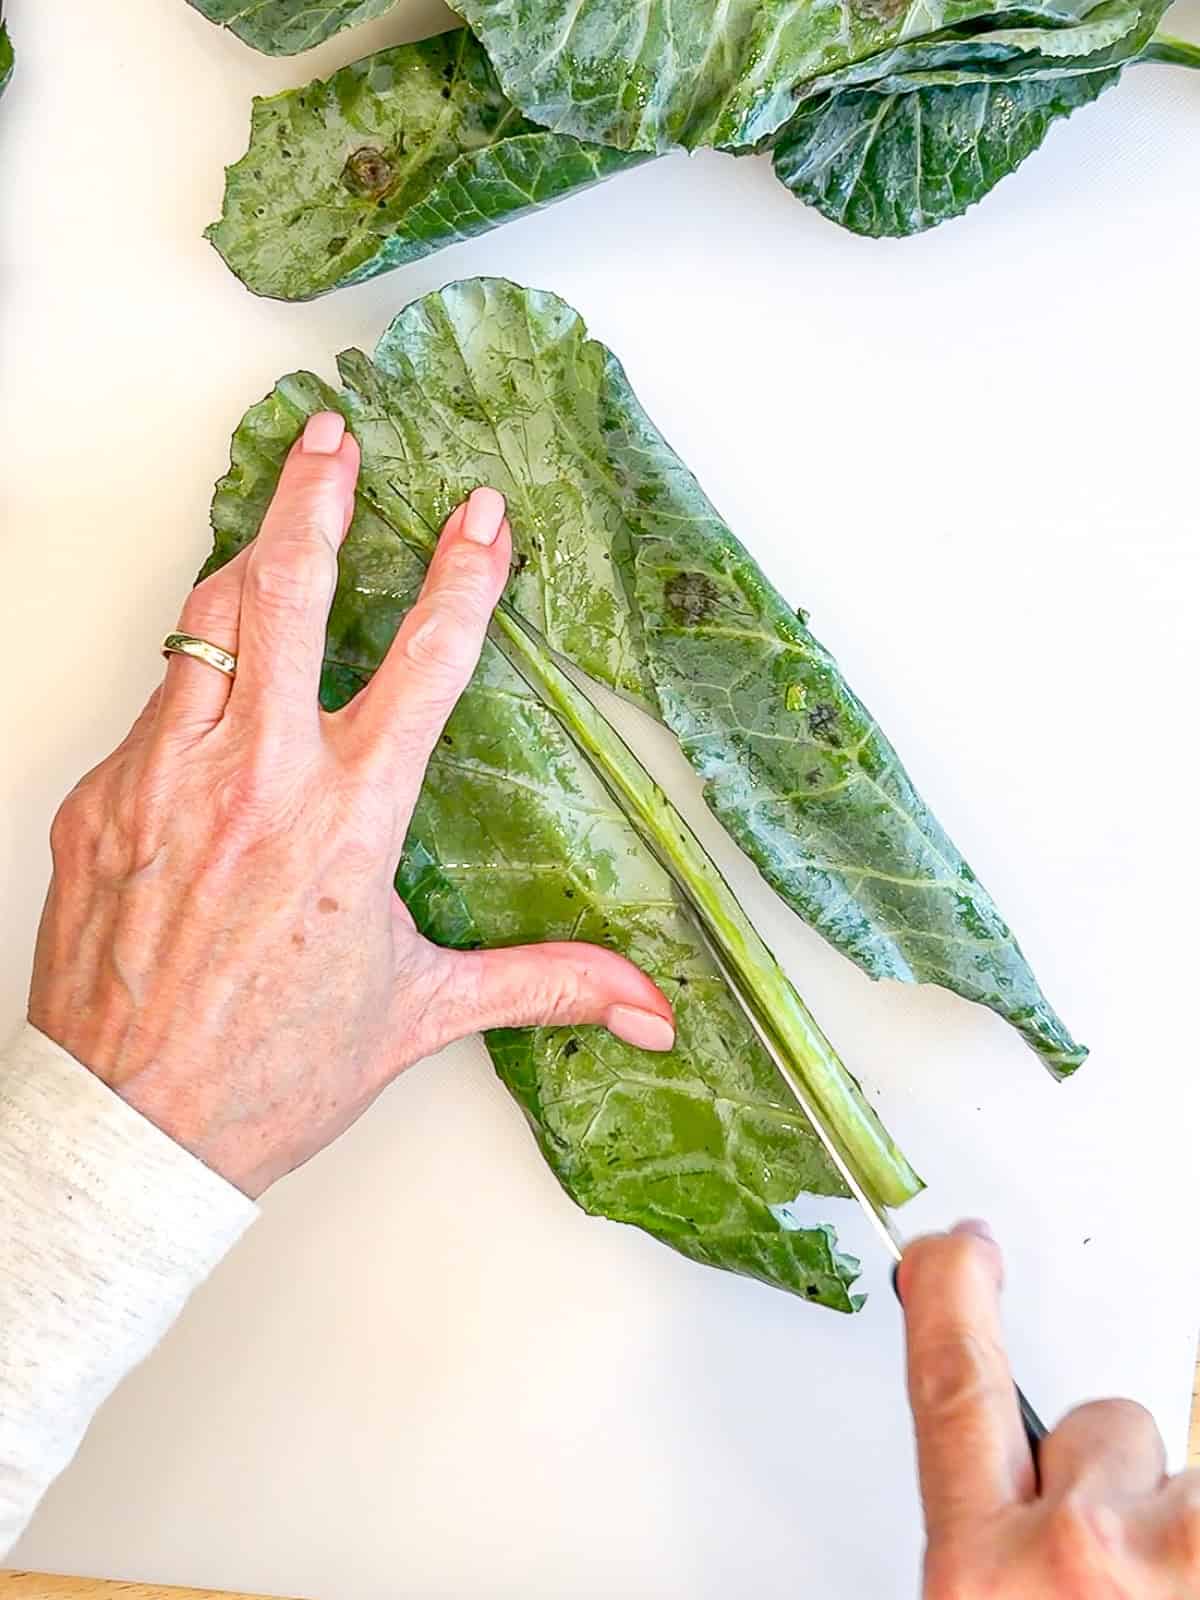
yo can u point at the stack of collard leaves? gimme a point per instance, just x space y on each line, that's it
889 116
536 820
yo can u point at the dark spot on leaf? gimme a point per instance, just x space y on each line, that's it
691 597
682 981
812 777
571 1047
446 92
570 893
367 173
823 724
446 739
812 1291
879 10
336 246
802 615
521 562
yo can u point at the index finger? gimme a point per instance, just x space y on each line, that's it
971 1448
291 572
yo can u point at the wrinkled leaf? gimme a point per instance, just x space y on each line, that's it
707 72
389 159
536 818
414 419
285 27
948 117
1111 34
488 381
897 164
514 839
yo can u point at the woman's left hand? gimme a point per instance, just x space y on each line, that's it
222 944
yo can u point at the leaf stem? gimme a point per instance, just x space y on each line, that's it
780 1012
1166 50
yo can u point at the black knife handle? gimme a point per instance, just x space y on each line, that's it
1035 1428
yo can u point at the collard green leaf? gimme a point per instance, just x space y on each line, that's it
488 381
515 839
948 117
1112 33
896 164
6 57
536 820
285 27
390 158
706 72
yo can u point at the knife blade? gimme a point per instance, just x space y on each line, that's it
872 1207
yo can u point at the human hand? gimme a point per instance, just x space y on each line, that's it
221 943
1106 1522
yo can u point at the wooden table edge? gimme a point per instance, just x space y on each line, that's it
51 1586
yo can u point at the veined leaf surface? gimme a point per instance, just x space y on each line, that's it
487 381
727 73
389 159
515 839
623 566
899 163
285 27
946 118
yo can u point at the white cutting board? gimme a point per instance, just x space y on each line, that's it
973 457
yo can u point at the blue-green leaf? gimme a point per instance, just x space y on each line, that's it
726 73
285 27
899 163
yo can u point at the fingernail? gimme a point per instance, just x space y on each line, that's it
977 1226
645 1030
483 516
323 434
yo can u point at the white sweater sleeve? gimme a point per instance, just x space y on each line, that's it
106 1227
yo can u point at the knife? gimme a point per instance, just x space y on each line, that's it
870 1205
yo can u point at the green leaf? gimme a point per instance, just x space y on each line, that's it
705 72
389 159
285 27
488 381
622 565
947 117
897 164
6 58
1111 34
514 839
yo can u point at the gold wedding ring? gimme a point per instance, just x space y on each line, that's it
186 644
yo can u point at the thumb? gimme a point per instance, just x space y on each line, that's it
550 985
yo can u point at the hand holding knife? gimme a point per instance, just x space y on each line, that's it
874 1209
